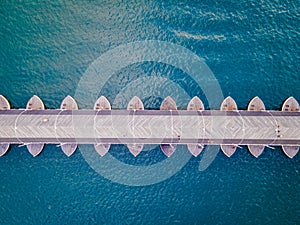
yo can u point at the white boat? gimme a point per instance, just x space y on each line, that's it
35 149
168 104
102 149
195 104
135 104
256 150
256 104
290 151
168 149
69 104
35 103
290 105
102 104
4 105
68 148
135 148
195 149
3 148
228 104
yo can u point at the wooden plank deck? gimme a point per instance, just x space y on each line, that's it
150 126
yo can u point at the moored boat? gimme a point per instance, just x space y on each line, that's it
290 105
195 149
69 104
102 104
256 104
68 148
4 105
168 104
168 149
3 148
195 104
228 104
135 104
35 103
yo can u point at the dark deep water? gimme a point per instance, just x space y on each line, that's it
252 48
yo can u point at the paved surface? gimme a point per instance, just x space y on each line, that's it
150 126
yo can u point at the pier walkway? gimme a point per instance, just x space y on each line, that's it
150 126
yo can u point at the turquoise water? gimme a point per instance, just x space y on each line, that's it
252 48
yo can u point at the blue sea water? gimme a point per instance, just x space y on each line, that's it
252 48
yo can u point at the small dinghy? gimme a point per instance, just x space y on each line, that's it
69 104
3 148
290 151
195 149
102 149
228 104
135 104
4 105
35 103
290 105
195 104
168 149
68 148
256 104
102 104
168 104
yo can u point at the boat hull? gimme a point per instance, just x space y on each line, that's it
68 149
168 104
256 150
69 103
35 103
168 149
135 104
228 104
195 149
290 105
3 148
256 104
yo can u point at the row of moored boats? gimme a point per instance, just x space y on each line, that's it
256 104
